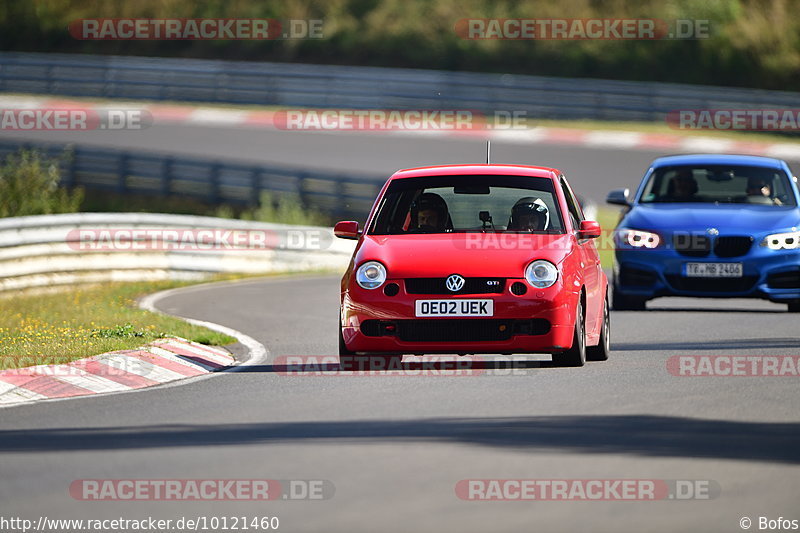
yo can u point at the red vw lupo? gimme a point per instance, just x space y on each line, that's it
468 259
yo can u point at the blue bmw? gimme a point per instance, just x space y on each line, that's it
709 226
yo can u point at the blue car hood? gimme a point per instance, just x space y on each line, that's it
727 218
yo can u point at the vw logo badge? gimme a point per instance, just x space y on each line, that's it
454 283
712 231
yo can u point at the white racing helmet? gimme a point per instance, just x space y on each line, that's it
528 209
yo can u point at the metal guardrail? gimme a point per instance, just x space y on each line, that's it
298 85
42 251
336 194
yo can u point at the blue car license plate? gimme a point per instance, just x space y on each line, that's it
713 270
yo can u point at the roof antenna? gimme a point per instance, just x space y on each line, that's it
488 152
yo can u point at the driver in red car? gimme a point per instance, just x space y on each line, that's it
430 212
529 214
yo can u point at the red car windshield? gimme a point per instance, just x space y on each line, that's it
452 204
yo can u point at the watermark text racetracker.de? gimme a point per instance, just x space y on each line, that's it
74 119
638 490
184 29
734 365
399 120
189 239
581 29
434 366
735 119
258 490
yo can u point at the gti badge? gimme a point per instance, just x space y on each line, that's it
454 283
712 231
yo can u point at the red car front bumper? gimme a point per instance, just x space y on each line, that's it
540 321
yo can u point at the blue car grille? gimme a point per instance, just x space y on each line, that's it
732 246
702 245
692 245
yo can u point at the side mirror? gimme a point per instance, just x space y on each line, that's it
347 229
589 230
618 197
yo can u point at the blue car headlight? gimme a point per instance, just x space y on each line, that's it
634 238
782 241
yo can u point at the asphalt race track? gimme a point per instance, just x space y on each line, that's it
394 447
592 171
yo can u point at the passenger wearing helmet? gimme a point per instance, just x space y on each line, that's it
429 213
529 214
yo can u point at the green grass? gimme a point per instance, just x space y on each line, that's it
608 218
29 185
79 322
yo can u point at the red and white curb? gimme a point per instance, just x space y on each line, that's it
601 139
162 361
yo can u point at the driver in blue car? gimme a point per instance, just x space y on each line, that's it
682 187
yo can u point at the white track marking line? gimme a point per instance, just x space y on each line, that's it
5 387
19 396
783 151
93 383
208 115
139 367
618 139
177 358
214 356
706 144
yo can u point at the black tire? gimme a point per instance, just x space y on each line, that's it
603 348
620 302
575 356
343 351
794 307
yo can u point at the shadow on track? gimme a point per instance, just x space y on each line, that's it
732 344
641 435
324 364
653 308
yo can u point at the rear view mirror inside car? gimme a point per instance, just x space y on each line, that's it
471 189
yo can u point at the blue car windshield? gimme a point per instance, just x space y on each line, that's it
719 184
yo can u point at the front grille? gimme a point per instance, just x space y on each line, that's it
471 286
634 277
454 330
732 246
784 280
692 245
712 284
702 245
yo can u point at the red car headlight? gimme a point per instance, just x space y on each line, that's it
541 274
371 275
